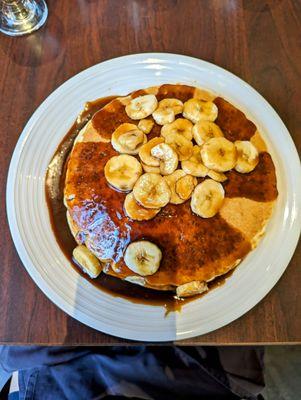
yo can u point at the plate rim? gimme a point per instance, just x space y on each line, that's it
12 176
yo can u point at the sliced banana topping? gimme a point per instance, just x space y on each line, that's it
145 152
87 261
181 126
164 116
247 156
146 125
136 211
205 130
167 110
194 165
217 176
151 191
128 139
143 257
167 156
191 289
207 198
137 280
142 106
258 142
175 104
149 168
122 171
171 181
185 186
197 110
219 154
182 146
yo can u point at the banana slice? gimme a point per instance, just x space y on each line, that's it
128 139
145 125
181 126
185 186
87 261
219 154
122 171
217 176
182 146
145 152
194 165
167 110
247 156
149 168
207 198
143 257
136 211
205 130
197 110
151 191
142 106
167 156
191 289
137 280
171 180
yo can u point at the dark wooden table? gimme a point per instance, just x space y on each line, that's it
257 40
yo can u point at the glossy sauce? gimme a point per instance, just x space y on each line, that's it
233 122
55 178
103 208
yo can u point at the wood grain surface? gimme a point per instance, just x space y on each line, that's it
257 40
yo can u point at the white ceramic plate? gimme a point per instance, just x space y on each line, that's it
47 265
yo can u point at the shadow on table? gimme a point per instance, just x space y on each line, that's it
38 48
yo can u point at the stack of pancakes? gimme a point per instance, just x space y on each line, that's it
193 248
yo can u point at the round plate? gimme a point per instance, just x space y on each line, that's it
29 219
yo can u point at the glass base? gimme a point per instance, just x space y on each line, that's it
25 19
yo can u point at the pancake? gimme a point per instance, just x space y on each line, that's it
194 249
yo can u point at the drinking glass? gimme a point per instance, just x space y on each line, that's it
20 17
